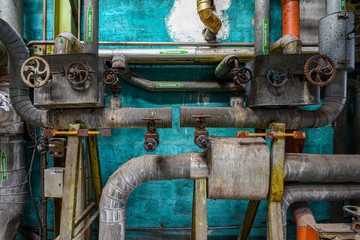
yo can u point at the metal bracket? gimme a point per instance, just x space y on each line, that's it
271 134
79 132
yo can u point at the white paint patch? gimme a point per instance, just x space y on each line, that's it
184 25
4 102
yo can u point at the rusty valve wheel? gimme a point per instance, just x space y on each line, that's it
111 77
320 70
244 75
35 72
77 73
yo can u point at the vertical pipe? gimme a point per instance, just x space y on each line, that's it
303 217
262 24
290 17
43 198
44 24
91 23
333 6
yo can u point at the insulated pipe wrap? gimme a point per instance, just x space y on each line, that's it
18 53
13 184
134 173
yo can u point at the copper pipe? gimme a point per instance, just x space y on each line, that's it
290 17
207 16
44 24
303 217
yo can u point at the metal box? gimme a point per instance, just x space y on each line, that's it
294 91
54 182
60 93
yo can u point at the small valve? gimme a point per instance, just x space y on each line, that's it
35 72
320 70
201 134
151 136
111 77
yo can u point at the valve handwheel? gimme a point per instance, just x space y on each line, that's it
244 75
276 76
35 72
111 77
320 70
77 73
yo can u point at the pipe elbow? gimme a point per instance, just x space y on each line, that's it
208 17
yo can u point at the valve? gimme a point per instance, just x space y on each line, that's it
201 134
244 75
35 72
320 70
111 77
77 73
276 76
151 136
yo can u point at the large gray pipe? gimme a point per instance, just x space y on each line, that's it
262 24
316 192
13 184
294 118
319 167
136 172
12 12
91 23
115 117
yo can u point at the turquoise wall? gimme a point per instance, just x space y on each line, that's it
169 204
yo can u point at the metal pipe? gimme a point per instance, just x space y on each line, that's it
69 44
355 85
135 172
208 17
333 6
167 44
44 23
13 184
321 167
303 217
168 85
290 17
189 56
316 192
91 23
262 24
294 118
115 116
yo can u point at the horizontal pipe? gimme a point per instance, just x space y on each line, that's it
319 167
316 192
205 56
167 44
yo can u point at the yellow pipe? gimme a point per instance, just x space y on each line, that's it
210 20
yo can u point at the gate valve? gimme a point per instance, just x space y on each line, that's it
201 134
151 136
35 72
77 73
320 70
111 77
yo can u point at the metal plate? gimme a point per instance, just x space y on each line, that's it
59 93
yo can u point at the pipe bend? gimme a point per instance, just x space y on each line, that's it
134 173
208 17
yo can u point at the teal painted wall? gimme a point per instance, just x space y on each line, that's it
169 204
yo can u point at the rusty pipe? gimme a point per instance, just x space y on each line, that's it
303 217
208 17
290 17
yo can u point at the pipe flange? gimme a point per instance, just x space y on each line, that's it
35 72
320 70
150 144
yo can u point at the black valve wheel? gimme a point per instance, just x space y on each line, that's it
276 76
35 72
320 70
203 142
244 75
77 73
150 144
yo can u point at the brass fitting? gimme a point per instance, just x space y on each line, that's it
208 17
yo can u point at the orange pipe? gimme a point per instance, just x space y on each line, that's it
303 217
290 17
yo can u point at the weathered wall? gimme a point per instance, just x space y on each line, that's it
168 204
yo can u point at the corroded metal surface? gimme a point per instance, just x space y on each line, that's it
238 168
